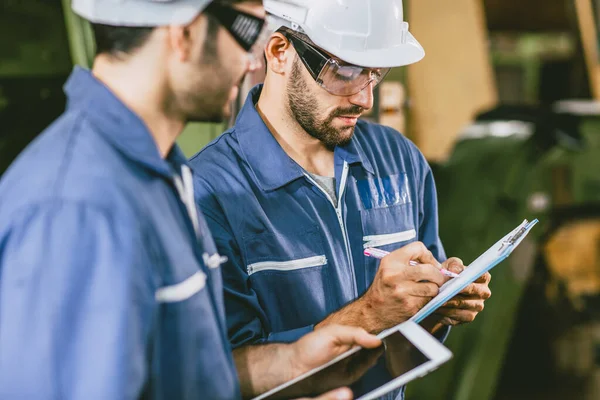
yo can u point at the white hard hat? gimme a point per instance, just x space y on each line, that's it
368 33
139 12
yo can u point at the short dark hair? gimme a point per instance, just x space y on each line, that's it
121 41
210 45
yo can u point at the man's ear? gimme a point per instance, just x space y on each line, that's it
183 39
277 53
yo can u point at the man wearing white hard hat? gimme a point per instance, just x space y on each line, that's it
300 186
110 286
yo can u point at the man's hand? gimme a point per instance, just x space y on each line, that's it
263 367
317 348
398 291
465 306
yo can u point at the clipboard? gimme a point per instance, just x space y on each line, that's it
488 260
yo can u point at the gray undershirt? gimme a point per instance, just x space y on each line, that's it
326 183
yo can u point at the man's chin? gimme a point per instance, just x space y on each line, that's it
345 135
338 142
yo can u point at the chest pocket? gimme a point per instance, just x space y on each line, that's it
289 274
387 219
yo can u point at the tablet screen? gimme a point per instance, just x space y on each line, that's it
399 357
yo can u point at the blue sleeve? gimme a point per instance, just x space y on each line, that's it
76 305
247 321
429 232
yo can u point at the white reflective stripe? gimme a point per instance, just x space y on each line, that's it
309 262
340 218
342 185
382 240
183 290
179 187
188 185
185 188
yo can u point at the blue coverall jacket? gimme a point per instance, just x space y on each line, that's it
108 289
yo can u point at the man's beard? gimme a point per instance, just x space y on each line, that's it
302 103
206 98
208 103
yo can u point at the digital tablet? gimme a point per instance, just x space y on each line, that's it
410 352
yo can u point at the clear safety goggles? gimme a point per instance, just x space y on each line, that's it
249 31
333 75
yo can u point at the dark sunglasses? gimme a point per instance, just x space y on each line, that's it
244 27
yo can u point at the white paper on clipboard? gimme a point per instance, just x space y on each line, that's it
488 260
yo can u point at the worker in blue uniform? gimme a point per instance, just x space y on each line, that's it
299 187
110 286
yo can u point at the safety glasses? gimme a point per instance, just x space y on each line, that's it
248 30
335 76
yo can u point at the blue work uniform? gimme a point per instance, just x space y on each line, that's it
294 254
109 288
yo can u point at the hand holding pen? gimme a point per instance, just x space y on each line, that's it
398 291
378 253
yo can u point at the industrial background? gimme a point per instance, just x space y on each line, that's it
505 106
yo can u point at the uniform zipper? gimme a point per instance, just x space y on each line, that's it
338 212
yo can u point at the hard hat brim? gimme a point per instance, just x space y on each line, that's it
388 58
150 13
407 53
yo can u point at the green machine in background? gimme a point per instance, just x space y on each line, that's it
513 163
485 188
34 63
584 168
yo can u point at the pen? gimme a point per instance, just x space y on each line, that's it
378 253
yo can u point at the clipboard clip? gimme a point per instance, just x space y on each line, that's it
511 240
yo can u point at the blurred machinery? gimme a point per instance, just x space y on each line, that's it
515 163
34 63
